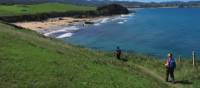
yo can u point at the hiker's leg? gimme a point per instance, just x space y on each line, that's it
118 56
167 74
172 74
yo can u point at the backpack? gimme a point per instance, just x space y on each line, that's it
172 64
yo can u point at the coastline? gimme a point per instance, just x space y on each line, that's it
52 22
67 26
54 56
40 54
56 25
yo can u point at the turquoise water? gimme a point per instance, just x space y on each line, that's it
149 31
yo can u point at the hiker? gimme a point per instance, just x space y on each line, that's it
118 53
170 66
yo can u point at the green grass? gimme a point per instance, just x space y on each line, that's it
28 60
185 72
13 10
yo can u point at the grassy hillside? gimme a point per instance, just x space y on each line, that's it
27 59
12 10
186 75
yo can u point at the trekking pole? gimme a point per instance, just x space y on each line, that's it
193 58
126 55
179 59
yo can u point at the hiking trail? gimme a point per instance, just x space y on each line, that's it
155 75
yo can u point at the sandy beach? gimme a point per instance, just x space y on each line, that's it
53 22
67 26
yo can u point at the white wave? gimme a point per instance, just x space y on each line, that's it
66 29
123 15
125 20
97 24
105 20
115 18
101 21
128 15
120 18
66 35
121 22
52 32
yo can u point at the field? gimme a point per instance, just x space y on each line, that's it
13 10
30 60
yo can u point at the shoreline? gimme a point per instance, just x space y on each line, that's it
66 26
52 22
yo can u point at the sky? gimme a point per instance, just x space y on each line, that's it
157 0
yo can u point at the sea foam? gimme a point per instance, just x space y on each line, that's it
65 29
66 35
104 20
121 22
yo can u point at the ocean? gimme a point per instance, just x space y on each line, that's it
154 31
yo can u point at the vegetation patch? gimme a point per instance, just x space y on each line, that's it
16 10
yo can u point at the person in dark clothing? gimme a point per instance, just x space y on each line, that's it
118 52
170 66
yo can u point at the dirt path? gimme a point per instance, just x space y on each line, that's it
153 74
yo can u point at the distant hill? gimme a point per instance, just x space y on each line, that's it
83 2
39 12
6 10
133 4
28 1
42 1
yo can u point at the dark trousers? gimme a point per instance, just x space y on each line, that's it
170 72
118 56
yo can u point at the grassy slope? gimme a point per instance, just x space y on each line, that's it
186 75
10 10
29 60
